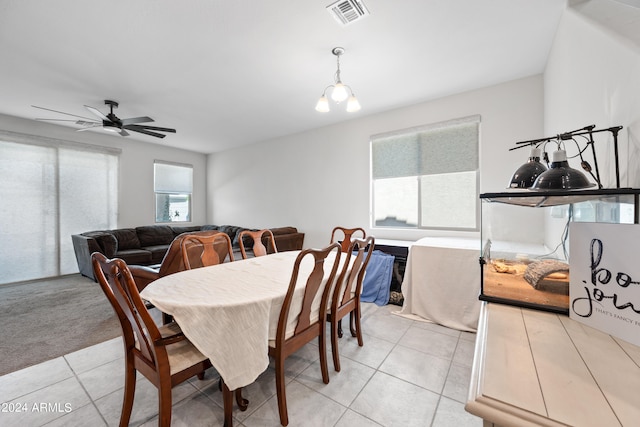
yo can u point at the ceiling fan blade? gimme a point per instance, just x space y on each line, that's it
145 127
147 132
133 120
93 126
60 112
98 113
55 120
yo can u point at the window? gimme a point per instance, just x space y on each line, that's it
173 185
427 177
51 189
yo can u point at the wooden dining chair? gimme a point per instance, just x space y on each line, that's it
258 248
203 251
162 354
171 263
346 294
348 234
311 318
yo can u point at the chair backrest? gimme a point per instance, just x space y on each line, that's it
316 283
259 249
202 251
138 326
348 236
173 261
352 272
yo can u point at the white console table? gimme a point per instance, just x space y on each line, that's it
442 282
534 368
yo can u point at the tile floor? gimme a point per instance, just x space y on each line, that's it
408 373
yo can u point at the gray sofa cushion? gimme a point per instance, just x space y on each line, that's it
153 235
157 252
108 243
183 229
135 256
127 239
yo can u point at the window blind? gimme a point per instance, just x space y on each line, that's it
444 147
172 178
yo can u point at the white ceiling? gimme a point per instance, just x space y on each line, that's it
239 72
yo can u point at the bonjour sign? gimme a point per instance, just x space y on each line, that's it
604 288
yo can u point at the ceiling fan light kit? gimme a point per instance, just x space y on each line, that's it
112 123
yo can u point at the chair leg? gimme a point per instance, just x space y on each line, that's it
243 403
334 345
340 328
356 316
281 391
129 394
166 318
322 343
164 403
352 327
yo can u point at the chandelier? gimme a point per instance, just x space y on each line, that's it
339 91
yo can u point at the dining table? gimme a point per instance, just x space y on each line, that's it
230 311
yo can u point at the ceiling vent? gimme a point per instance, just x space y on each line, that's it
348 11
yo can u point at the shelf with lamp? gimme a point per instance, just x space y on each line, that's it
557 183
339 91
525 253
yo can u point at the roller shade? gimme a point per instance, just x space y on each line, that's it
444 147
172 178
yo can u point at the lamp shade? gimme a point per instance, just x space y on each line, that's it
561 176
353 104
525 175
323 104
339 92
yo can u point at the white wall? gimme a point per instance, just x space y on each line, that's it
319 179
593 77
136 198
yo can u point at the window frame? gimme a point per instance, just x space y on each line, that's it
186 190
411 133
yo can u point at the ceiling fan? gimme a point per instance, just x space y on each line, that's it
111 122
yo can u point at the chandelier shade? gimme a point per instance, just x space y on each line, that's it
339 92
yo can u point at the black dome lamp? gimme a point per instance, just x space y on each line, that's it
560 176
525 175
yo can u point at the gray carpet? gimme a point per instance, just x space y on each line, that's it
46 319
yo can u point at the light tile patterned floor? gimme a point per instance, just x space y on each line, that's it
408 373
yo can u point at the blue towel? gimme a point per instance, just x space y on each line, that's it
377 280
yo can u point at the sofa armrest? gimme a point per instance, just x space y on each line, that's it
143 275
83 247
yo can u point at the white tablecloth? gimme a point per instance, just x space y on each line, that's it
442 282
230 311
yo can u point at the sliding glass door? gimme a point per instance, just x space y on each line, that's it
49 191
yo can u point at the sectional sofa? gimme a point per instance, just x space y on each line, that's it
147 245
